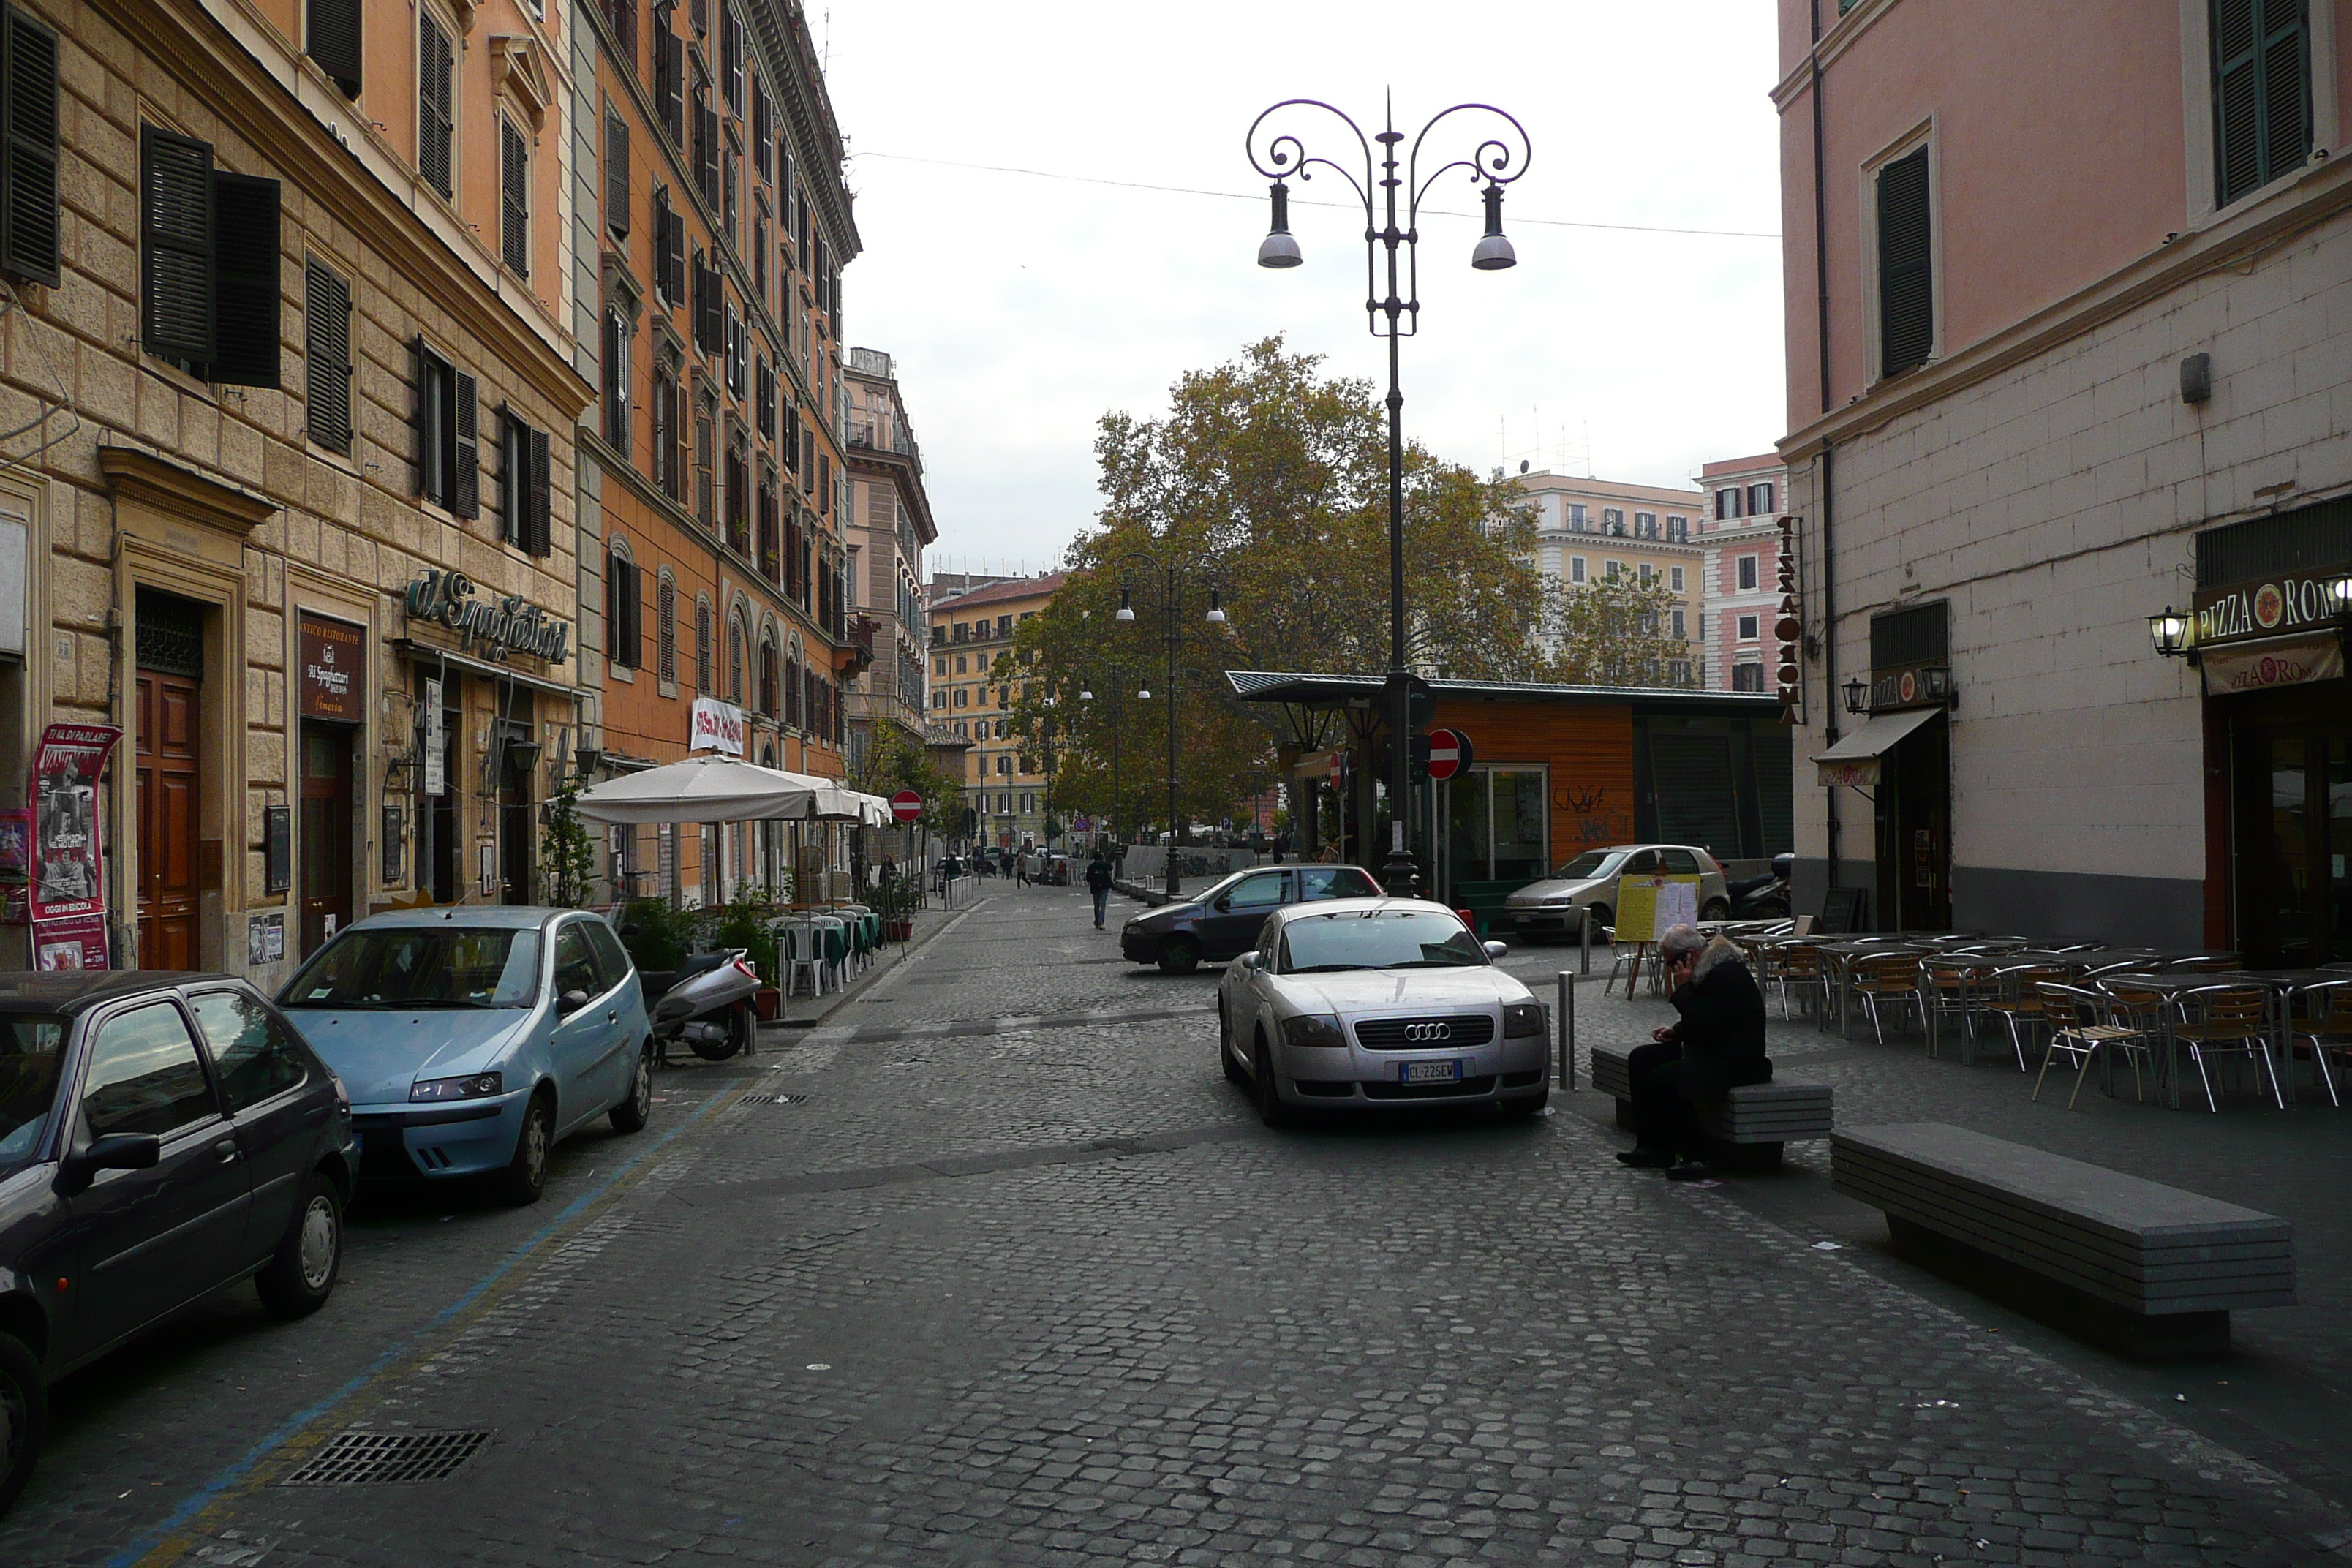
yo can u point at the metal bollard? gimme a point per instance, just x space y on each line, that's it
1584 934
1567 1030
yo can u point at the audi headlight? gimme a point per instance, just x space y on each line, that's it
474 1086
1314 1029
1521 1019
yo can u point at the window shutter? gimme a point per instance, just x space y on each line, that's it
612 604
623 15
246 318
539 491
631 611
435 62
428 420
610 352
466 448
327 357
514 198
677 256
707 150
669 82
176 235
616 172
28 213
2237 100
335 42
1906 304
666 631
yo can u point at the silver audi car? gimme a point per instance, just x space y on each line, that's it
1377 1004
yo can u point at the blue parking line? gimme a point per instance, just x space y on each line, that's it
197 1500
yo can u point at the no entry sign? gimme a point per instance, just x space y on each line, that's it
1449 754
906 805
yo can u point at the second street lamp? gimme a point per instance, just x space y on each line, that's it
1171 583
1498 160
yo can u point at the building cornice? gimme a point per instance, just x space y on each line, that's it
2322 192
281 110
1842 35
133 473
872 462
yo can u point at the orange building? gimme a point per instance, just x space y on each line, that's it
712 490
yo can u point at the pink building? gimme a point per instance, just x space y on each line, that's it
2068 327
1740 530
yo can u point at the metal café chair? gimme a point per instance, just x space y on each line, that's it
1953 985
1797 965
2018 1005
1885 979
2083 1022
2226 1020
2328 1030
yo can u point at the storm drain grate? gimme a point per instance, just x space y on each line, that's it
773 1098
357 1459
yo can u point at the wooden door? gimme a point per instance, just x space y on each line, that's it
326 833
169 714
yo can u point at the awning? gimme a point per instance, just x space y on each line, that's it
701 789
2272 661
421 652
1854 760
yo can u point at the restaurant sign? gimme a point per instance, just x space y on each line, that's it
332 665
714 726
1920 686
2277 661
493 627
2295 601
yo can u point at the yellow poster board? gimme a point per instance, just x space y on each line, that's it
1648 906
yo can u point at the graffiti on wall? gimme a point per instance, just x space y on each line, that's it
1594 820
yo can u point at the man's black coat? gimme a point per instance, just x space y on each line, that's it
1721 1028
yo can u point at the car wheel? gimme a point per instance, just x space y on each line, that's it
1521 1109
1180 956
23 1417
1598 915
1270 1107
525 1176
632 1114
1233 1073
1716 910
300 1275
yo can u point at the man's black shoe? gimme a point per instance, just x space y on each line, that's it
1645 1159
1692 1170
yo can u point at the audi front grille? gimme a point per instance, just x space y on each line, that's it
1459 1030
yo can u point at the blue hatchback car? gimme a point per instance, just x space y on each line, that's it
473 1038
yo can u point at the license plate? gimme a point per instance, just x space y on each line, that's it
1429 1072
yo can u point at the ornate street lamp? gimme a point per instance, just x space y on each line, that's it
1857 696
2169 631
1171 574
1497 160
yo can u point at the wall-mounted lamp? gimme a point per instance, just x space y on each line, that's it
1857 696
2339 596
2169 632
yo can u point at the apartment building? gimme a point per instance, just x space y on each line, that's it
971 698
1588 531
2071 460
1740 530
890 526
287 562
713 225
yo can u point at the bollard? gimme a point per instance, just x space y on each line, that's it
1567 1030
1584 934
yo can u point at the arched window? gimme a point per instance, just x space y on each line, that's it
768 693
622 644
701 646
666 628
792 692
735 660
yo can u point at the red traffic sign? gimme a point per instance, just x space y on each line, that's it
906 805
1450 753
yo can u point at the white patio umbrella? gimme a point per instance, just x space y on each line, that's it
702 789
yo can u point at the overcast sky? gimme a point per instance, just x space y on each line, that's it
1020 309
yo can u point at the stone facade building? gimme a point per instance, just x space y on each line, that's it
290 378
890 526
2067 349
1010 792
1590 530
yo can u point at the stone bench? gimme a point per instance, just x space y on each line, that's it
2146 1269
1750 1124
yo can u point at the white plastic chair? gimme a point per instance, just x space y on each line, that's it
803 951
840 966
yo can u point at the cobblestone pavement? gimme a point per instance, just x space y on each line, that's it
995 1269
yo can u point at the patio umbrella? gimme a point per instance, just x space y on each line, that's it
702 789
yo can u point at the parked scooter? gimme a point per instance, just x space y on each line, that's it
1763 898
708 1006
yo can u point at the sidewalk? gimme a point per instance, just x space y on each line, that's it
801 1012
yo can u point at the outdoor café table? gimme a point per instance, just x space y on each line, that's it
1838 959
2168 984
2284 986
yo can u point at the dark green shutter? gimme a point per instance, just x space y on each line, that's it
2261 93
616 172
335 42
465 447
669 81
28 209
326 356
632 614
434 120
538 495
514 198
176 243
246 318
424 383
1906 293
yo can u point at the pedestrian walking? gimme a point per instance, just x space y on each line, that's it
1021 868
1716 1045
1098 884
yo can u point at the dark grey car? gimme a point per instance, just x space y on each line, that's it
161 1135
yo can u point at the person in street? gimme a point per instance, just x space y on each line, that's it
1098 884
1716 1044
1021 868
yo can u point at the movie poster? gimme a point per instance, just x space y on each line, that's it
78 941
68 868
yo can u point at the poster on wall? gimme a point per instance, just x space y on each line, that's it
16 843
77 942
436 783
68 872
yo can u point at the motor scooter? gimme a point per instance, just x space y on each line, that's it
708 1006
1765 897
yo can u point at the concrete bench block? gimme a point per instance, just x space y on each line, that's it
1758 1116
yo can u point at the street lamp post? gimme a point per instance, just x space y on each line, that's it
1118 717
1499 159
1171 581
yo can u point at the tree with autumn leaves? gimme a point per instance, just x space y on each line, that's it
1267 481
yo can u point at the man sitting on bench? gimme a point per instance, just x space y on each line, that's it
1717 1046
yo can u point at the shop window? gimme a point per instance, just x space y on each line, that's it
448 452
208 243
327 357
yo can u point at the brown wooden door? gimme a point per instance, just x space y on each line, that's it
169 709
326 833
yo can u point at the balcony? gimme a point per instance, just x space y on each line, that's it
856 656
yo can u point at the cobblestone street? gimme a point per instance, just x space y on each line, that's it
993 1267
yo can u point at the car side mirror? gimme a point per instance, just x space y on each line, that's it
115 1151
1497 949
1249 962
570 1001
1223 905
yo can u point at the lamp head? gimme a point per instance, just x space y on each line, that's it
1126 608
1144 694
1857 696
1494 252
1278 250
1216 616
1086 697
2169 629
